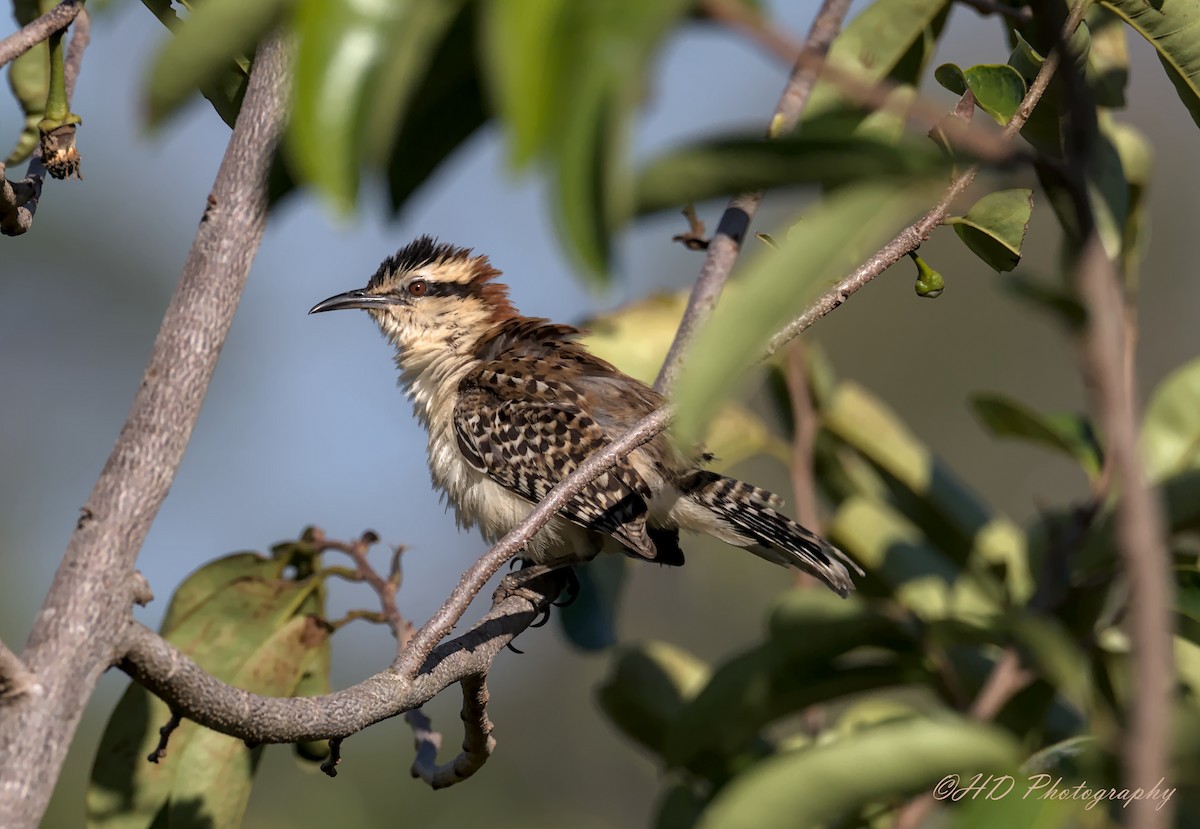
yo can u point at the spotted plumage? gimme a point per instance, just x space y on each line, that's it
514 404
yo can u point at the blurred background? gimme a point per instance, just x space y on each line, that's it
81 296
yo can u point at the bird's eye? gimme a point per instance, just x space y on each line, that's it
418 287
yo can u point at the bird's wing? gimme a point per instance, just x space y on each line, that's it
527 441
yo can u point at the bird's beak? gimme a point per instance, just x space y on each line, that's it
354 299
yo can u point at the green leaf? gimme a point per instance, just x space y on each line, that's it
994 227
590 620
648 685
225 86
255 633
1137 162
29 79
889 39
998 88
357 67
777 285
1108 59
1171 431
215 576
1173 28
524 54
904 567
813 786
718 731
608 48
217 35
215 770
451 95
1071 434
956 520
726 166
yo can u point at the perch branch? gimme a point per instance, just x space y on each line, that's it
198 696
723 248
87 609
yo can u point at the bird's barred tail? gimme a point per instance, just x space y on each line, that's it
751 513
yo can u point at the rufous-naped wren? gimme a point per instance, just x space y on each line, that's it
514 404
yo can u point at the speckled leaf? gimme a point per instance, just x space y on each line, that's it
994 227
215 576
232 629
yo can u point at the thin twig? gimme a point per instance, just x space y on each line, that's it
164 737
87 610
30 35
385 589
478 742
804 438
725 244
912 236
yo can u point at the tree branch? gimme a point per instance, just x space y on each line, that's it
196 695
55 20
478 743
1141 536
726 243
75 635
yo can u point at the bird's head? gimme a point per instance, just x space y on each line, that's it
430 296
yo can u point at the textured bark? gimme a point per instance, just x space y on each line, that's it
80 628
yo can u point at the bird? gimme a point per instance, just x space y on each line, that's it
513 404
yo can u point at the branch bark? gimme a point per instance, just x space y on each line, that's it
1141 538
726 243
77 633
55 20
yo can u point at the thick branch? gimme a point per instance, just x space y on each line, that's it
55 20
76 633
726 243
